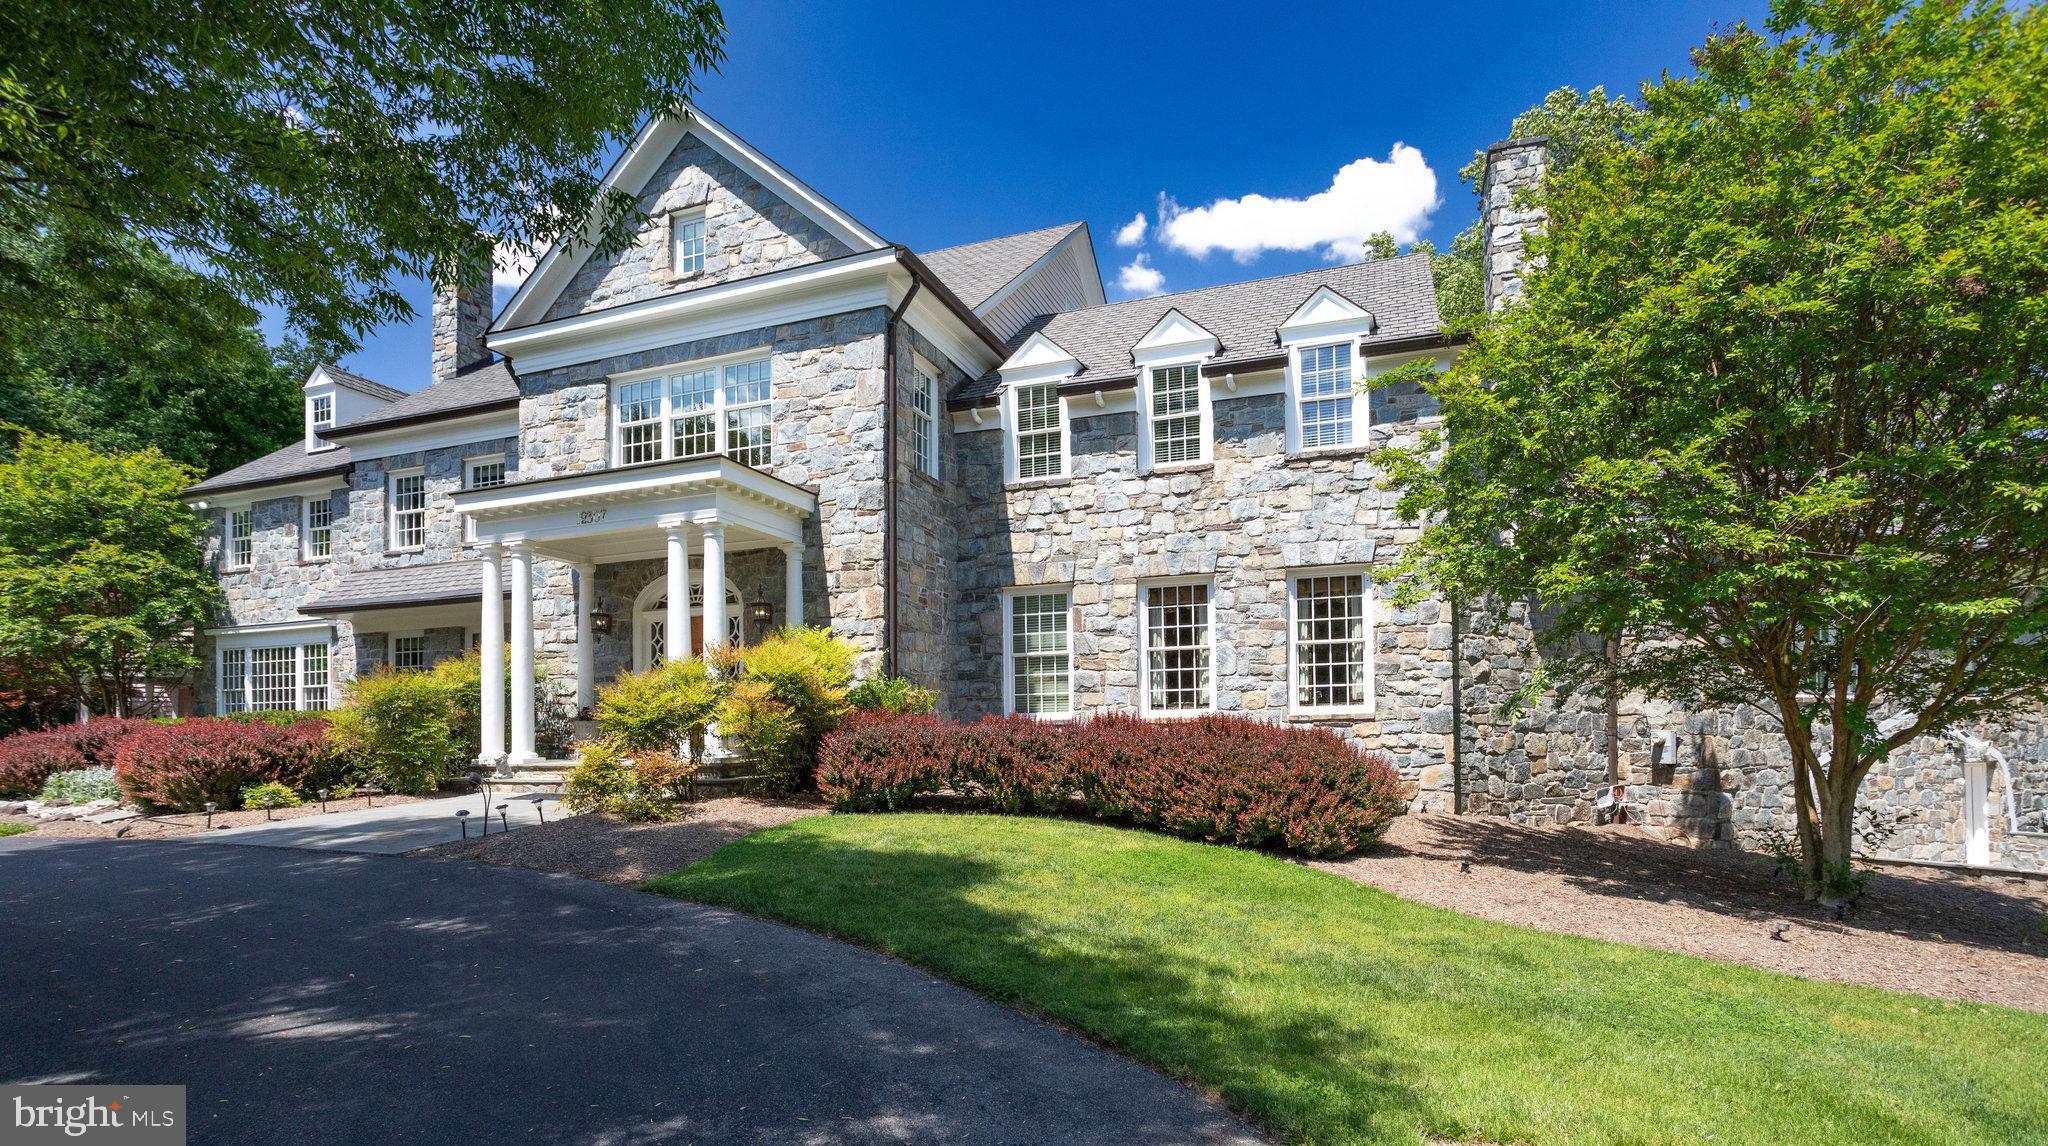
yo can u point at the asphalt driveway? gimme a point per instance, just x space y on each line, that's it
355 999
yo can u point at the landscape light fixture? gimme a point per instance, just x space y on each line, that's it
503 817
210 806
462 818
538 809
1779 931
322 793
269 807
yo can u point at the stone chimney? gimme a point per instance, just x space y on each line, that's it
462 313
1511 165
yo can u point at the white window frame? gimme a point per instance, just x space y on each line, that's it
236 692
1369 613
1009 598
391 650
1147 430
392 531
469 468
308 531
1361 400
677 222
924 418
315 424
239 552
721 410
1145 588
1013 431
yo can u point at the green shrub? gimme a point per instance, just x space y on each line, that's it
277 717
808 671
82 786
891 694
279 795
753 720
667 708
396 725
603 781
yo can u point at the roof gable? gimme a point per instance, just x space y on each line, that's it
636 166
1039 356
1175 333
1326 311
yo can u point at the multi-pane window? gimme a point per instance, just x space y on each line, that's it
408 510
697 412
1176 413
689 238
1040 452
319 528
1041 657
924 422
1325 395
1178 674
241 538
320 414
486 473
408 653
1330 635
274 677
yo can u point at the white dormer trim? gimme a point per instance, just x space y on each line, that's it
1175 340
1325 315
1175 335
314 400
656 139
1039 359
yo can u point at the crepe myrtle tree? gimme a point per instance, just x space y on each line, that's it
312 155
1770 424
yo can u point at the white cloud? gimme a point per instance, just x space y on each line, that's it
1140 278
510 266
1367 195
1132 234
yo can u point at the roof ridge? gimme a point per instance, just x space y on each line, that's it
1240 283
1063 228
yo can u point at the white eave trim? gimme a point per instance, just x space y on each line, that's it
273 629
1038 359
634 483
1325 313
652 145
441 433
1175 336
744 304
250 495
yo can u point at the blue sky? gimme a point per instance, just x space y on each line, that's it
938 124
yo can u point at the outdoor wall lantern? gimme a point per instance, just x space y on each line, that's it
601 624
761 612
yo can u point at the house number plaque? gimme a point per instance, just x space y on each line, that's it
591 516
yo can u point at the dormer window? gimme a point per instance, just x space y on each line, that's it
1324 393
1173 398
319 418
1040 442
1325 410
687 236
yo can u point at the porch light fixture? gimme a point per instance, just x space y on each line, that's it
601 624
760 612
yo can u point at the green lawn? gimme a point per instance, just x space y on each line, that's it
1334 1013
15 829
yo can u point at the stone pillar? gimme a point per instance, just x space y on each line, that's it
676 626
586 654
714 588
462 315
522 655
491 643
793 585
1511 166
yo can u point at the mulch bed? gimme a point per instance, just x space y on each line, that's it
186 823
1932 932
599 847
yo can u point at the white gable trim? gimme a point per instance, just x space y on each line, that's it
656 139
1076 241
1175 335
1326 313
1038 359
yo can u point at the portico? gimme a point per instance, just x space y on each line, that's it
702 511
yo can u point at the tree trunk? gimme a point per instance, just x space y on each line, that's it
1837 817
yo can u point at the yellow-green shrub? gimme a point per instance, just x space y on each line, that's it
603 781
665 708
752 719
396 724
808 672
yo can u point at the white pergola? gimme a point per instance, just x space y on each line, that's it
713 506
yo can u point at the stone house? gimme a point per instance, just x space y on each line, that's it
965 461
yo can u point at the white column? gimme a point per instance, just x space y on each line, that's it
522 653
676 625
491 641
1976 821
714 587
586 653
793 585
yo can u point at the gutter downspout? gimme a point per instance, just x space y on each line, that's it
889 479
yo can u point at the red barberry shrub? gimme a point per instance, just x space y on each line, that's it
1231 779
27 759
181 767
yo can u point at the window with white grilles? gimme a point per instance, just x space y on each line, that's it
1040 654
241 538
1038 438
1174 410
1178 669
696 412
1330 641
1324 394
409 510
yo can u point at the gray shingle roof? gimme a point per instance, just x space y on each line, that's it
1245 317
475 388
362 385
445 582
291 463
976 271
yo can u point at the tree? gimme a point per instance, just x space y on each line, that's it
1773 414
1576 125
311 155
101 579
159 356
